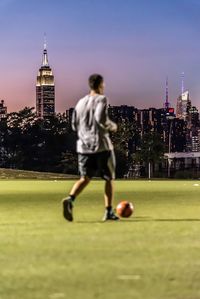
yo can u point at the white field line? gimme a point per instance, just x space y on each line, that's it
129 277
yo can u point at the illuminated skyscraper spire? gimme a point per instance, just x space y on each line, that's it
167 94
183 102
45 55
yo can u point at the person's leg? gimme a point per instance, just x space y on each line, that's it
108 194
107 166
75 191
108 197
79 186
85 165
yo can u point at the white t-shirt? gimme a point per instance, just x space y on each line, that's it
90 120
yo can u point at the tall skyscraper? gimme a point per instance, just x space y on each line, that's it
183 102
183 106
45 89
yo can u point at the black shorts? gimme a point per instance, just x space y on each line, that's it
98 164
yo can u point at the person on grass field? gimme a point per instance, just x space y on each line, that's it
95 150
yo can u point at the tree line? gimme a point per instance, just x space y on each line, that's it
30 143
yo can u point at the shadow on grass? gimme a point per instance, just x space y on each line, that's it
88 221
148 219
189 219
140 219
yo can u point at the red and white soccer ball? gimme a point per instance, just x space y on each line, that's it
125 209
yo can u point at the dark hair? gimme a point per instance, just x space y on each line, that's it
95 81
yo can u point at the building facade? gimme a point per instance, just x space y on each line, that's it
3 110
45 89
183 106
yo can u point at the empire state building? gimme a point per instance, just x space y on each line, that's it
45 89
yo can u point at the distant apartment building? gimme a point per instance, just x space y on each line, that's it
3 110
179 135
199 140
45 89
195 143
192 130
118 113
3 115
193 116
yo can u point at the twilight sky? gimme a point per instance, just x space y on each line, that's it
135 44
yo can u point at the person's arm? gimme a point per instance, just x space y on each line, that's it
101 116
73 123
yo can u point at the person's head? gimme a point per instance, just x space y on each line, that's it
96 83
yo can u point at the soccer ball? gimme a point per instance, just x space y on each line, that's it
125 209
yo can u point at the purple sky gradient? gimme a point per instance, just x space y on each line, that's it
135 44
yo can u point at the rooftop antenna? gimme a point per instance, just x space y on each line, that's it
45 56
182 82
167 94
45 41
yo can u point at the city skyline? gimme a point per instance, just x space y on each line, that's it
135 46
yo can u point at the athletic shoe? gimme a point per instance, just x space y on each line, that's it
67 209
110 216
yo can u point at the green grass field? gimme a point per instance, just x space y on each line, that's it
153 255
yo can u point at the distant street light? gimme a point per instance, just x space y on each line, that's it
149 164
169 145
149 176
